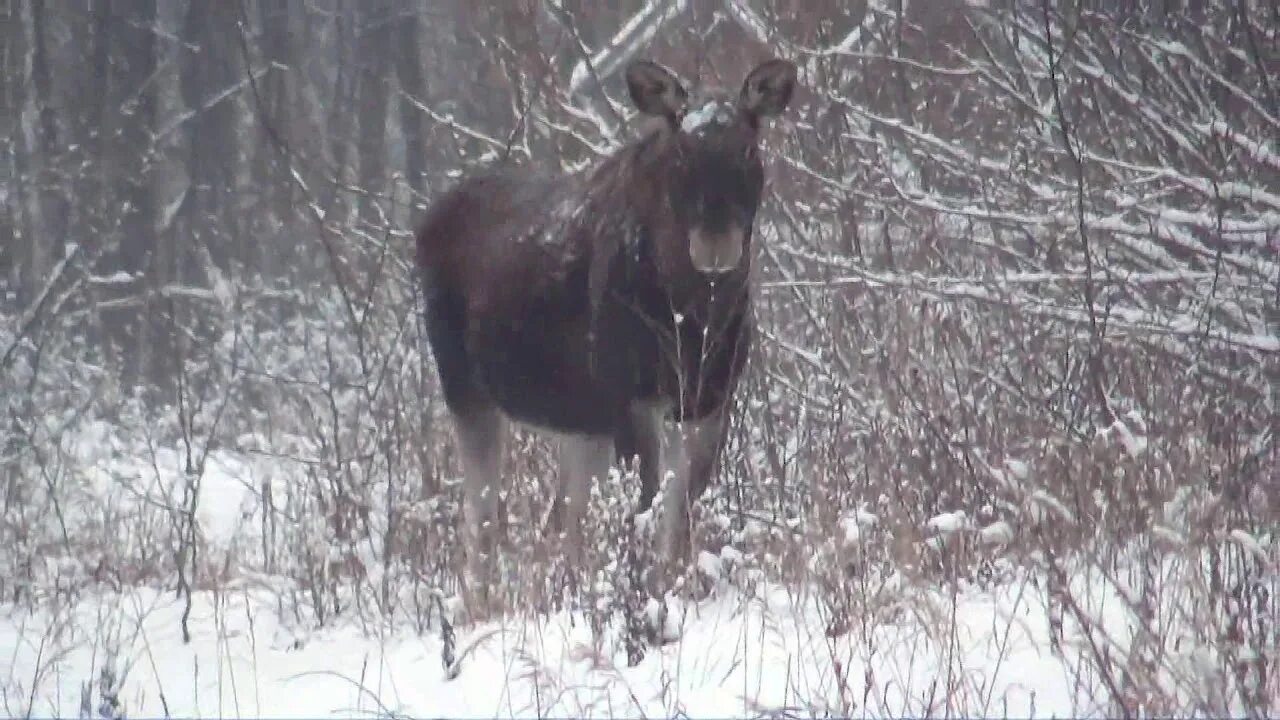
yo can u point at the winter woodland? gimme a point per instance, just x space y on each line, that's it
1007 444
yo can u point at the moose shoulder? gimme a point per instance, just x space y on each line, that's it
601 304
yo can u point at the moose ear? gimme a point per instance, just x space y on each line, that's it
768 88
655 91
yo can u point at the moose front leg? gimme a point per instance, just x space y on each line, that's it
584 459
640 439
702 442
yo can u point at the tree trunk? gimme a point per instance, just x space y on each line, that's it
128 121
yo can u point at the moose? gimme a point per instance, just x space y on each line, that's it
599 305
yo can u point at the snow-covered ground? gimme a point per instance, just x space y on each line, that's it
738 656
909 646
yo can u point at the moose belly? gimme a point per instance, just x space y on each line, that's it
545 373
541 375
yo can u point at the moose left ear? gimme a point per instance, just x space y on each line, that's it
768 88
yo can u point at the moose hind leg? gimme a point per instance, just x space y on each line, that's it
479 426
481 436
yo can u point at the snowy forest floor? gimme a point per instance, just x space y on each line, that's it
1009 442
882 641
739 655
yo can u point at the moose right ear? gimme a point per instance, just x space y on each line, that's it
655 91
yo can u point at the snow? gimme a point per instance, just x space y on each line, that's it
751 21
170 210
1250 544
749 646
1041 500
997 533
627 42
1018 468
738 655
714 112
1168 536
1133 443
1120 318
730 556
853 524
948 523
1261 151
118 277
710 565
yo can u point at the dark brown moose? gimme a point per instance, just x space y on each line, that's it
601 304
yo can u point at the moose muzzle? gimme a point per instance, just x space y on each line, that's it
716 252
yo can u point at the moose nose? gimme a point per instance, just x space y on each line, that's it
715 252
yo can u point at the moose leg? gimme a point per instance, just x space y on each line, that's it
481 434
479 426
702 442
583 459
642 440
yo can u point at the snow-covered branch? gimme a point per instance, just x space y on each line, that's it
626 43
